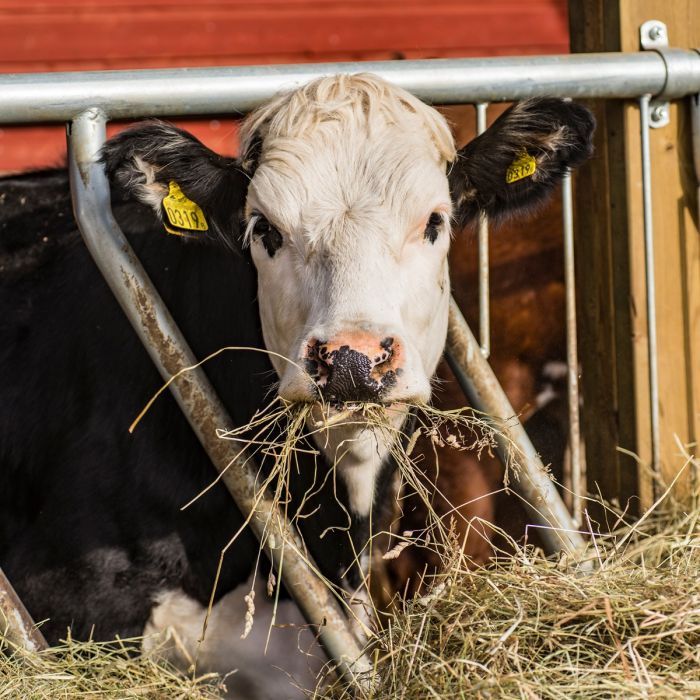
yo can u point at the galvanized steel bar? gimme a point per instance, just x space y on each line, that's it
169 351
484 299
576 462
46 97
16 624
485 394
650 284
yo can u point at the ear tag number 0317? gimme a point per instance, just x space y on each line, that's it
182 213
523 166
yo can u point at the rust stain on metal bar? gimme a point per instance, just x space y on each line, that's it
16 624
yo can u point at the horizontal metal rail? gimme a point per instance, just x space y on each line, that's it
53 97
196 397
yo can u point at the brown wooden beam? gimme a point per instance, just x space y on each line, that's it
610 265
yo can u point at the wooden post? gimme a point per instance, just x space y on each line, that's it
610 265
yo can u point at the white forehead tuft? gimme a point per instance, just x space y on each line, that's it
362 101
344 150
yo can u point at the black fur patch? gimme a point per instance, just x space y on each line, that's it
91 521
556 133
218 184
268 235
432 228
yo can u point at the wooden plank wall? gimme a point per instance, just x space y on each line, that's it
87 34
613 332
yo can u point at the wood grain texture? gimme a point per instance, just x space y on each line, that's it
612 269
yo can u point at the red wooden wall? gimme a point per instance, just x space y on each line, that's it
89 35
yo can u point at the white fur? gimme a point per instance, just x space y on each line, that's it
351 168
292 655
149 190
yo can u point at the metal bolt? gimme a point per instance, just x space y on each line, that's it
657 32
659 113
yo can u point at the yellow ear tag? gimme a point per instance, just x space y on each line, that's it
182 213
523 166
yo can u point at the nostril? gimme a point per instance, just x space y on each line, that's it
387 353
318 360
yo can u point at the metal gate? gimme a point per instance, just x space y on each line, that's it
86 101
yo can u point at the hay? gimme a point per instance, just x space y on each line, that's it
622 620
526 626
104 670
530 627
281 431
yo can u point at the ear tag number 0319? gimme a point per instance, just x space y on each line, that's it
523 166
182 213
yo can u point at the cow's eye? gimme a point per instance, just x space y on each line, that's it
432 228
268 235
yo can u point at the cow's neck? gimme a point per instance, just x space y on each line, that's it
359 454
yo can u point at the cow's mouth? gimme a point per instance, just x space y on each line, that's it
329 414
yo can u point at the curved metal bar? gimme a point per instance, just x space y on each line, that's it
44 97
485 394
169 351
16 624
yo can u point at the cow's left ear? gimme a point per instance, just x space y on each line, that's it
195 191
516 163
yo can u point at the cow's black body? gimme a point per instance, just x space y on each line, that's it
91 527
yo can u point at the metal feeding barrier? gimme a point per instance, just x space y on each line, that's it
86 101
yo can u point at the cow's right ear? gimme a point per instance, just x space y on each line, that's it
161 165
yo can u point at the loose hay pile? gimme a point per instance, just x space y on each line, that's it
93 670
620 621
528 627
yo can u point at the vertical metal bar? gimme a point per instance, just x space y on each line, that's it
650 284
169 351
485 394
572 352
484 299
16 624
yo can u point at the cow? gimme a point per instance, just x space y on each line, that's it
325 242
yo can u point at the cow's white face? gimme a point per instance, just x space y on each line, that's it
348 215
343 188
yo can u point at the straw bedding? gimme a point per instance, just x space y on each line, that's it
620 620
529 627
92 670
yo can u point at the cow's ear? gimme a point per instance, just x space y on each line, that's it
191 188
516 163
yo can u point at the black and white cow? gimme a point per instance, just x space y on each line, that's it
327 244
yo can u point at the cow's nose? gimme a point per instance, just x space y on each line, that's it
354 366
